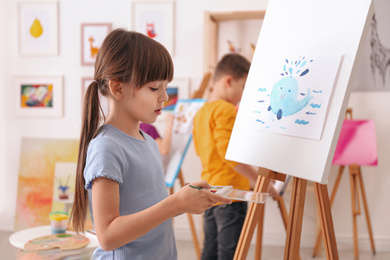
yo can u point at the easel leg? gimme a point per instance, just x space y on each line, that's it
360 178
328 235
294 227
259 237
355 210
332 196
255 210
191 221
283 212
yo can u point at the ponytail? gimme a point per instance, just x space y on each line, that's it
89 129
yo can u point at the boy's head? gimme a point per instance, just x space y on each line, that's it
232 64
230 77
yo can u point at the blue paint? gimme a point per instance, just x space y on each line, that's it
301 122
304 73
315 105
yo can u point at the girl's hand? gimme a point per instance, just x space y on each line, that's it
194 201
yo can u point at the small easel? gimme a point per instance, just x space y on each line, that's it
197 94
355 177
294 227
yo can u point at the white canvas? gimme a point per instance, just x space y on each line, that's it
302 27
292 99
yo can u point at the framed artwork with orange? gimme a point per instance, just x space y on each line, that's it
92 37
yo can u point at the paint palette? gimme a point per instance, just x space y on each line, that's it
62 241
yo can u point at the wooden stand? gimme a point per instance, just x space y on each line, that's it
355 176
294 226
190 220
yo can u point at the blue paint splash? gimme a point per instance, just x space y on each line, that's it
315 105
310 113
301 122
320 91
294 67
258 120
260 101
262 89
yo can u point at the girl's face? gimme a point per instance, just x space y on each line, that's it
146 103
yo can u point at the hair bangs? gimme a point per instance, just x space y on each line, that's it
155 63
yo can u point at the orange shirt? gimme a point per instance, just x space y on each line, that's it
213 125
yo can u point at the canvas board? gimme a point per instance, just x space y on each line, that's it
184 113
302 27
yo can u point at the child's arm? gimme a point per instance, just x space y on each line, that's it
114 230
251 173
247 171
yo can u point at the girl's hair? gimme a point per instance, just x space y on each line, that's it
232 64
128 57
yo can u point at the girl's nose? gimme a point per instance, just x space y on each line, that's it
164 96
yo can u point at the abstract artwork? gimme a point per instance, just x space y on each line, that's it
173 96
38 28
38 96
38 158
293 98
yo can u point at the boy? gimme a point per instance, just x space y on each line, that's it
213 125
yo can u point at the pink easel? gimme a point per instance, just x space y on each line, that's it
356 147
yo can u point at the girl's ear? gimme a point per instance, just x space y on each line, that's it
116 88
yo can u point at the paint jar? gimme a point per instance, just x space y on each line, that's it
58 221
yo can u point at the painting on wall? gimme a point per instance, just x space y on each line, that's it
38 96
155 19
373 72
38 28
38 158
178 88
103 100
293 99
92 37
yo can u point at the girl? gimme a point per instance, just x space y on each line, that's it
119 171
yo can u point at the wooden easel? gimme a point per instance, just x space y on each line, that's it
197 94
355 177
190 219
294 226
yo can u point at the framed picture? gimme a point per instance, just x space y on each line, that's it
38 28
38 96
179 88
155 19
103 100
92 37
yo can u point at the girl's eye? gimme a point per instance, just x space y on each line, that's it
154 89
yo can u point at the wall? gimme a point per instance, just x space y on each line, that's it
188 63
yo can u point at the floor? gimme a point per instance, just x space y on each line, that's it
186 252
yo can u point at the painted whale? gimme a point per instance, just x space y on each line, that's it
284 100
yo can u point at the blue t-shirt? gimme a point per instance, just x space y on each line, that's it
136 165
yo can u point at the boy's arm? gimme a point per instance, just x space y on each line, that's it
247 171
251 173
